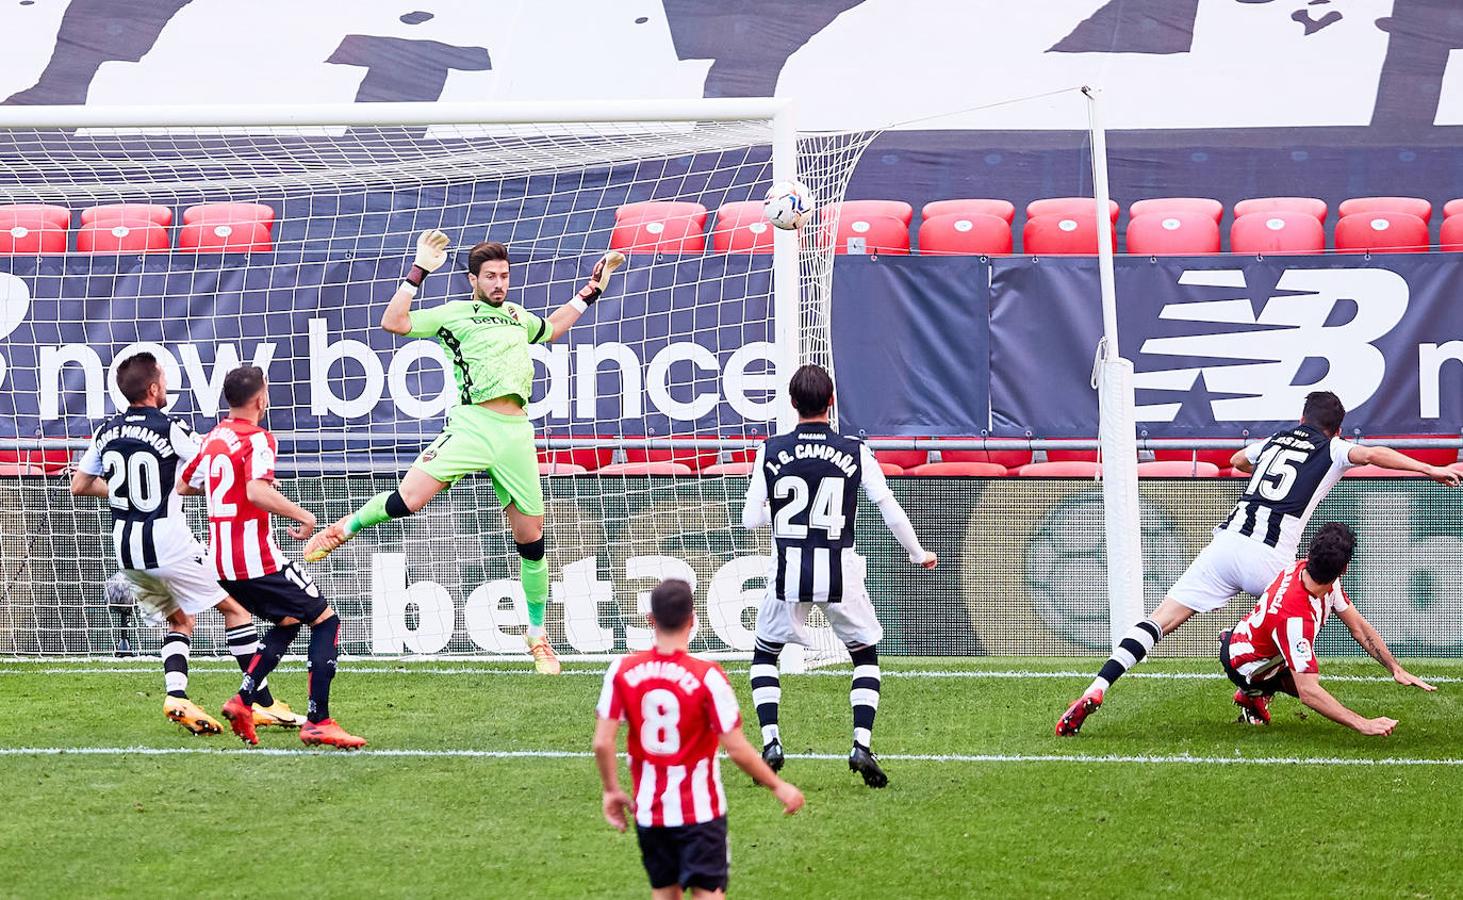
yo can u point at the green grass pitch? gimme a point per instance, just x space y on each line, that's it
1161 794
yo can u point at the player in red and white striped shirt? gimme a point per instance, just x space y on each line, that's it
679 709
235 469
1273 648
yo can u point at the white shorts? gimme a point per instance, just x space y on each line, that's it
1230 564
188 584
853 619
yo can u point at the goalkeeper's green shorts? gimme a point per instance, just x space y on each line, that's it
481 440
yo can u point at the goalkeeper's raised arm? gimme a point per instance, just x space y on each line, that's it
490 284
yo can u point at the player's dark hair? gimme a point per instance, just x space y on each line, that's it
242 385
811 390
136 375
672 604
1324 410
487 251
1330 552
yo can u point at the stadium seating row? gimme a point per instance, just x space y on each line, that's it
1058 225
36 228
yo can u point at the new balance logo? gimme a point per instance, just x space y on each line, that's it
1315 332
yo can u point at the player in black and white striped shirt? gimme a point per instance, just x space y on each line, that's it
805 484
133 462
1291 473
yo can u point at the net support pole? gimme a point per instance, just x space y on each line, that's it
1117 419
787 309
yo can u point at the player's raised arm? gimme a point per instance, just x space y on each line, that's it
431 254
876 489
1366 635
1388 458
563 318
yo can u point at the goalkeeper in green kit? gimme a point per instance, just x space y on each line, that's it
486 338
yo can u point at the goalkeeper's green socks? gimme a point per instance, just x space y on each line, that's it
533 573
383 507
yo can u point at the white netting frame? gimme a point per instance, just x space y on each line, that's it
172 179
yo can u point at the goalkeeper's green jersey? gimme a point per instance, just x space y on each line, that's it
486 345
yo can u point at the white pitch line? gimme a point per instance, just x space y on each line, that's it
995 674
888 757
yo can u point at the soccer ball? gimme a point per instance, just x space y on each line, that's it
787 204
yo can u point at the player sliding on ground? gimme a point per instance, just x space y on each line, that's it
679 708
813 475
487 339
1292 472
1273 648
235 469
133 463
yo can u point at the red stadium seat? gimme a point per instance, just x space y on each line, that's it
1060 455
17 469
1451 234
225 237
692 459
30 228
1202 205
560 469
1002 209
1310 206
229 213
1277 231
1174 233
905 459
648 235
1080 207
1058 235
1173 468
891 469
660 227
146 212
1452 208
118 235
1069 469
1234 473
979 470
1433 456
896 209
1219 458
741 228
1415 206
646 468
967 234
731 468
865 234
589 458
1011 459
1381 232
1379 472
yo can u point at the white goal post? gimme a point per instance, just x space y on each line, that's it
688 353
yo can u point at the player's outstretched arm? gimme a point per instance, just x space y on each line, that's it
268 498
563 318
1308 686
876 489
755 513
1388 458
1370 640
750 761
431 254
616 802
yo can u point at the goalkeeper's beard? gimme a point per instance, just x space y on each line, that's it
499 301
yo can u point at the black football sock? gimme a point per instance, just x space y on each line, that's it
1131 650
276 643
243 644
864 694
766 688
324 651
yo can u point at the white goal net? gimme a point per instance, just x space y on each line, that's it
210 241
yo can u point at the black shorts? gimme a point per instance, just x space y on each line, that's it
288 593
1281 682
692 856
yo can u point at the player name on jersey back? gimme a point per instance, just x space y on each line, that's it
813 475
